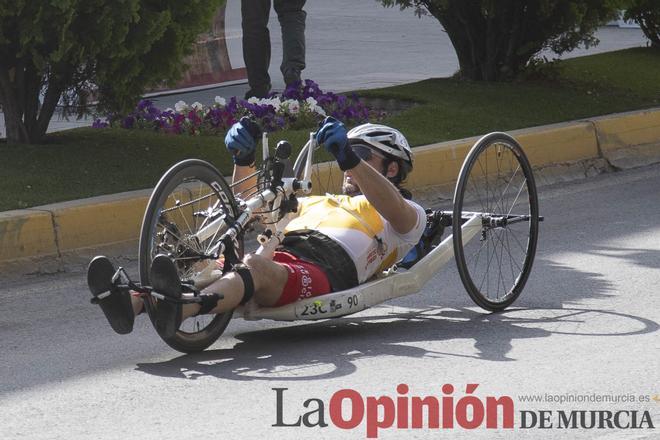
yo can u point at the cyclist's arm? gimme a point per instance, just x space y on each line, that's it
384 196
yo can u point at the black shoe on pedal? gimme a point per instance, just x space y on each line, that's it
165 280
114 301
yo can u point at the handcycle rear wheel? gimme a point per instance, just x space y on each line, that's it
187 197
496 180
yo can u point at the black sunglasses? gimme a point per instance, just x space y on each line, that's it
365 153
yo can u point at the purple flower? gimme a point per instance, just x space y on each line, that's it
311 89
293 91
144 103
217 119
232 105
349 113
98 123
154 112
128 122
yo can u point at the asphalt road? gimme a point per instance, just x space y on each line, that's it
586 325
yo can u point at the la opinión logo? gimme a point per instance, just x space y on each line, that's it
586 419
348 409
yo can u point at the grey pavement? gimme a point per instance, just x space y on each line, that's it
586 324
358 44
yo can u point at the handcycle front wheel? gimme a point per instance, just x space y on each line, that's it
188 197
325 174
496 183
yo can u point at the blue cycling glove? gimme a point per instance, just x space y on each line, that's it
241 141
332 135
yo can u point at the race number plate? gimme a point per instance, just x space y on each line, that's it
322 308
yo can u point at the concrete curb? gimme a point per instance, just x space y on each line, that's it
53 230
559 151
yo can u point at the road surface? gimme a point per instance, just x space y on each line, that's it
586 325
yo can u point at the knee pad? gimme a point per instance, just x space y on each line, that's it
209 302
248 283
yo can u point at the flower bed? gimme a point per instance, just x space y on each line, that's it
301 105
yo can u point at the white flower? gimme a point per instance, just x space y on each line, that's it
197 106
319 110
169 109
220 101
180 106
275 102
292 106
311 101
253 100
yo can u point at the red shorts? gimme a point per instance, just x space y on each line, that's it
305 279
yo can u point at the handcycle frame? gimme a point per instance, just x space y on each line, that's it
393 283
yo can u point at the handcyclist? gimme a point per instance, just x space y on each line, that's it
334 243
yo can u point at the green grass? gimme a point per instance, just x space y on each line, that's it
87 162
587 86
635 71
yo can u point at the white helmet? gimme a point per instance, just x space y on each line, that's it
383 138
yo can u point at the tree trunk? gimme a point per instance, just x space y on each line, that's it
16 131
485 42
459 36
650 28
26 120
52 97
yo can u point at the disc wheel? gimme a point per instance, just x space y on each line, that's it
496 181
188 197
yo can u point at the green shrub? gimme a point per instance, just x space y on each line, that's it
495 40
647 14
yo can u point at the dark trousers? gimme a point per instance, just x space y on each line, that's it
256 41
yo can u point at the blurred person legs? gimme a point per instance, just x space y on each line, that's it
292 20
256 42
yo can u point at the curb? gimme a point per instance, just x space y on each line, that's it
53 230
617 141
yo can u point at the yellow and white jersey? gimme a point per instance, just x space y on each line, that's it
354 223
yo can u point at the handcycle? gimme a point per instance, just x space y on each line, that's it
194 218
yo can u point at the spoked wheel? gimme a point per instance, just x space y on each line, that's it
496 183
188 197
326 176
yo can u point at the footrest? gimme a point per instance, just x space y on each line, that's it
114 299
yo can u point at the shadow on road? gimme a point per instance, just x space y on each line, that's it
640 257
330 349
569 286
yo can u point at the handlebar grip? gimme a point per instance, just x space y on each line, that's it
278 172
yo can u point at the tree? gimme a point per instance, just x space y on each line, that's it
64 51
647 14
495 39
